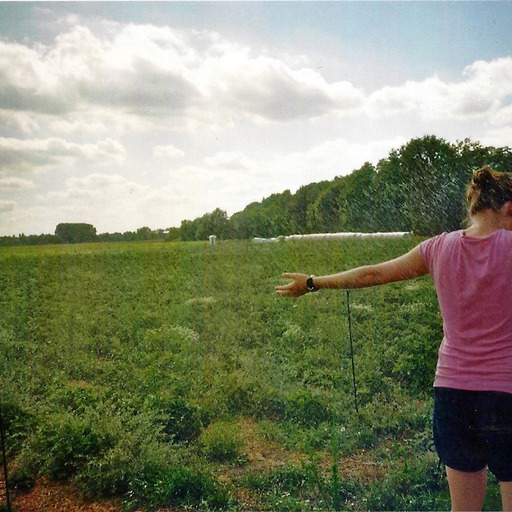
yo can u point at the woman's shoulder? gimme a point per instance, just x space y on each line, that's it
505 233
445 237
431 248
504 236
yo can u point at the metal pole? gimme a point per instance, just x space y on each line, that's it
2 439
349 316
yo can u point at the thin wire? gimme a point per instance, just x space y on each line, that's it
2 440
349 316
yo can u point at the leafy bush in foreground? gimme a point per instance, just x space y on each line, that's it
175 486
222 442
17 423
180 420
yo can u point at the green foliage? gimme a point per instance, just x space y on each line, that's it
101 449
126 368
415 486
302 487
305 408
66 444
170 486
214 223
358 200
21 478
17 423
180 420
284 488
419 187
75 233
222 442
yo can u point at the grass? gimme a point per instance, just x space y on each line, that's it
133 370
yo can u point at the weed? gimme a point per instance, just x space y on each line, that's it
180 420
222 442
175 486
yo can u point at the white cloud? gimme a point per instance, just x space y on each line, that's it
503 116
95 81
17 155
236 161
497 137
481 94
161 73
110 202
83 125
167 151
267 88
19 121
100 185
336 157
13 184
137 72
7 206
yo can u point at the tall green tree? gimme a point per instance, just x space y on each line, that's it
325 214
301 206
358 207
390 195
74 233
434 200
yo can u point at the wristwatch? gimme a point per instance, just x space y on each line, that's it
310 285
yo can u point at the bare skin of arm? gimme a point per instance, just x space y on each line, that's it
407 266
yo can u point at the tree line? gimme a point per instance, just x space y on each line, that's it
72 233
419 188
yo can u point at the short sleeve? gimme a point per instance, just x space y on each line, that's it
426 252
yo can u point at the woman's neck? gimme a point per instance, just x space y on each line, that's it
486 223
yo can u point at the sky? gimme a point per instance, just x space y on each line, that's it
127 115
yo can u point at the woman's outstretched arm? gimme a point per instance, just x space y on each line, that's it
404 267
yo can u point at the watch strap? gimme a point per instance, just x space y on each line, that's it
310 285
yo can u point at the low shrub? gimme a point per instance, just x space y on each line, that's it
102 450
222 442
78 397
270 405
241 395
17 423
300 488
21 478
160 486
180 420
67 442
417 485
307 409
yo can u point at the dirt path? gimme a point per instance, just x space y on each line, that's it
53 497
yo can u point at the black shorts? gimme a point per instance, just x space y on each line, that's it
473 429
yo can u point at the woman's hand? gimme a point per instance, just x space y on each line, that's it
296 288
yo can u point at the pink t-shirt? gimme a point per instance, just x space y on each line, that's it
473 279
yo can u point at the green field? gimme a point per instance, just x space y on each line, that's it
170 374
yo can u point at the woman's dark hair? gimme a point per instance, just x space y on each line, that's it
488 189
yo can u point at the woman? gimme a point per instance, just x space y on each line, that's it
472 272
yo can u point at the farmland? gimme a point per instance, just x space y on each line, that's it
170 375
